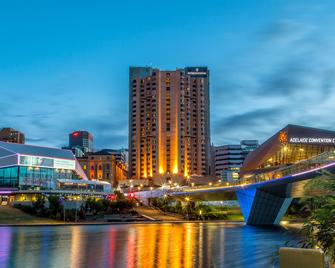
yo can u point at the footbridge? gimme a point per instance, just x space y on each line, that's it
265 197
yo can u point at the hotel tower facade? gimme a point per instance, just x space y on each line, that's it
169 124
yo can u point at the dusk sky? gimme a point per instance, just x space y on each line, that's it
64 64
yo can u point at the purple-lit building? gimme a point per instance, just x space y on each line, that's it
35 168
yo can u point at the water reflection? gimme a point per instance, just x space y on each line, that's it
141 245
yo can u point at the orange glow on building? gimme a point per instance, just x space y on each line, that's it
103 167
186 160
161 170
169 122
175 169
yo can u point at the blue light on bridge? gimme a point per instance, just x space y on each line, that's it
246 198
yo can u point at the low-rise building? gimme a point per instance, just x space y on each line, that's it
103 166
11 135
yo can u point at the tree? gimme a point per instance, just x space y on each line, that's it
319 227
55 207
38 205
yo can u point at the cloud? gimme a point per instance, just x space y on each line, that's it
287 77
108 130
35 140
249 125
285 31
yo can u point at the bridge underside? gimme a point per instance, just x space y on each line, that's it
261 208
266 203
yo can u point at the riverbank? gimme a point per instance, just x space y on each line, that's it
10 216
13 216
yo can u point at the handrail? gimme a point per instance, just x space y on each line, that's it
296 168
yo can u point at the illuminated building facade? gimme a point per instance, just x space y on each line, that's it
28 167
288 146
228 159
12 135
105 165
169 130
80 142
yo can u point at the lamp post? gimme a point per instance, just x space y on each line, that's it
151 188
187 199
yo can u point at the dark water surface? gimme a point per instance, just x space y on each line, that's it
142 245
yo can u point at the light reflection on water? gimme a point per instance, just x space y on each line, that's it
142 245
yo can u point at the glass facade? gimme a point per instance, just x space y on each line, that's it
26 178
81 186
292 153
300 167
43 178
9 177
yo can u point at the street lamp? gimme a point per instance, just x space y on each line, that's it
151 188
187 199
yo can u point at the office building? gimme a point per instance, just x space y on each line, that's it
80 142
169 131
228 159
11 135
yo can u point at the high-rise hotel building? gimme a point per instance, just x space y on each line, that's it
169 131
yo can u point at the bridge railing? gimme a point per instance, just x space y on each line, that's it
294 169
299 167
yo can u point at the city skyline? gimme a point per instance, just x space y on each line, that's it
266 71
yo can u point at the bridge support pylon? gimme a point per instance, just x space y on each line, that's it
262 208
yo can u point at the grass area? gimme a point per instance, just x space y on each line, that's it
235 217
10 215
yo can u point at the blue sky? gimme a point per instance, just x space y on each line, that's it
64 64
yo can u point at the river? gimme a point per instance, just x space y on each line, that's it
143 245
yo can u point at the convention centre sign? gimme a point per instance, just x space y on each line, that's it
312 140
